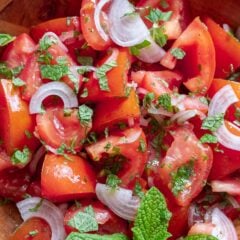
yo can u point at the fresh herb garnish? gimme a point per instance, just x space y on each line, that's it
33 233
208 138
45 58
86 236
37 206
164 101
84 93
142 146
200 237
212 123
54 72
156 15
113 181
46 42
85 114
9 73
138 190
178 53
147 100
21 157
85 60
18 82
5 39
158 35
135 50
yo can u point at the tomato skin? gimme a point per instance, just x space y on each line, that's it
13 108
56 129
136 159
18 51
89 30
227 49
198 46
114 111
65 179
42 229
117 80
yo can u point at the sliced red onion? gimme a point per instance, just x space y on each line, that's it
224 228
152 53
41 208
69 37
237 33
126 29
226 28
159 111
121 201
130 137
59 89
185 115
194 216
97 21
35 159
54 37
231 187
219 104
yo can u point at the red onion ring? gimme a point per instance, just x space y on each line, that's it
35 159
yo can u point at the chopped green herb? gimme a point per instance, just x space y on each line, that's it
106 132
9 73
234 75
28 134
164 101
45 58
5 39
33 233
21 157
152 219
85 236
156 15
178 53
135 50
203 100
208 138
85 60
108 146
147 100
212 123
92 138
138 190
84 221
122 125
158 35
200 237
142 146
18 82
62 60
130 14
113 181
36 208
181 177
84 93
46 42
53 72
101 74
85 114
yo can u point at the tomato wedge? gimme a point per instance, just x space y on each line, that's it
67 177
197 43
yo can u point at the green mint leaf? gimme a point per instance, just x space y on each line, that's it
46 42
158 35
212 123
156 15
113 181
135 50
208 138
165 101
62 60
130 14
142 146
5 71
85 114
147 100
180 178
85 60
138 190
5 39
53 72
101 74
21 157
37 206
200 237
18 82
178 53
85 236
45 58
84 93
28 134
84 221
152 219
33 233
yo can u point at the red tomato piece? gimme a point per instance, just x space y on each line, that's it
57 129
184 169
227 49
32 229
5 160
88 26
18 51
197 43
114 111
116 77
66 178
12 109
131 144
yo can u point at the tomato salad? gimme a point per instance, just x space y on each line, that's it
122 123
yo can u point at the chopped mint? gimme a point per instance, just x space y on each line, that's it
5 39
148 98
135 50
21 157
156 15
85 236
200 237
178 53
53 72
18 82
113 181
85 114
208 138
164 101
158 35
212 123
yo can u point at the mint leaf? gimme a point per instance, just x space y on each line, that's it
200 237
85 114
84 221
8 72
178 53
113 181
148 98
142 146
135 50
46 42
158 35
138 190
5 39
18 82
45 58
101 74
156 15
212 123
208 138
152 219
53 72
85 236
164 101
21 157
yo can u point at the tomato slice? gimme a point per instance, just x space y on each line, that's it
32 229
89 30
57 129
197 43
115 111
18 51
67 177
12 108
184 170
227 49
131 144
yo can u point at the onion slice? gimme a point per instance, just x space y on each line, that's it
59 89
185 115
126 29
41 208
121 201
231 187
219 104
35 159
97 15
